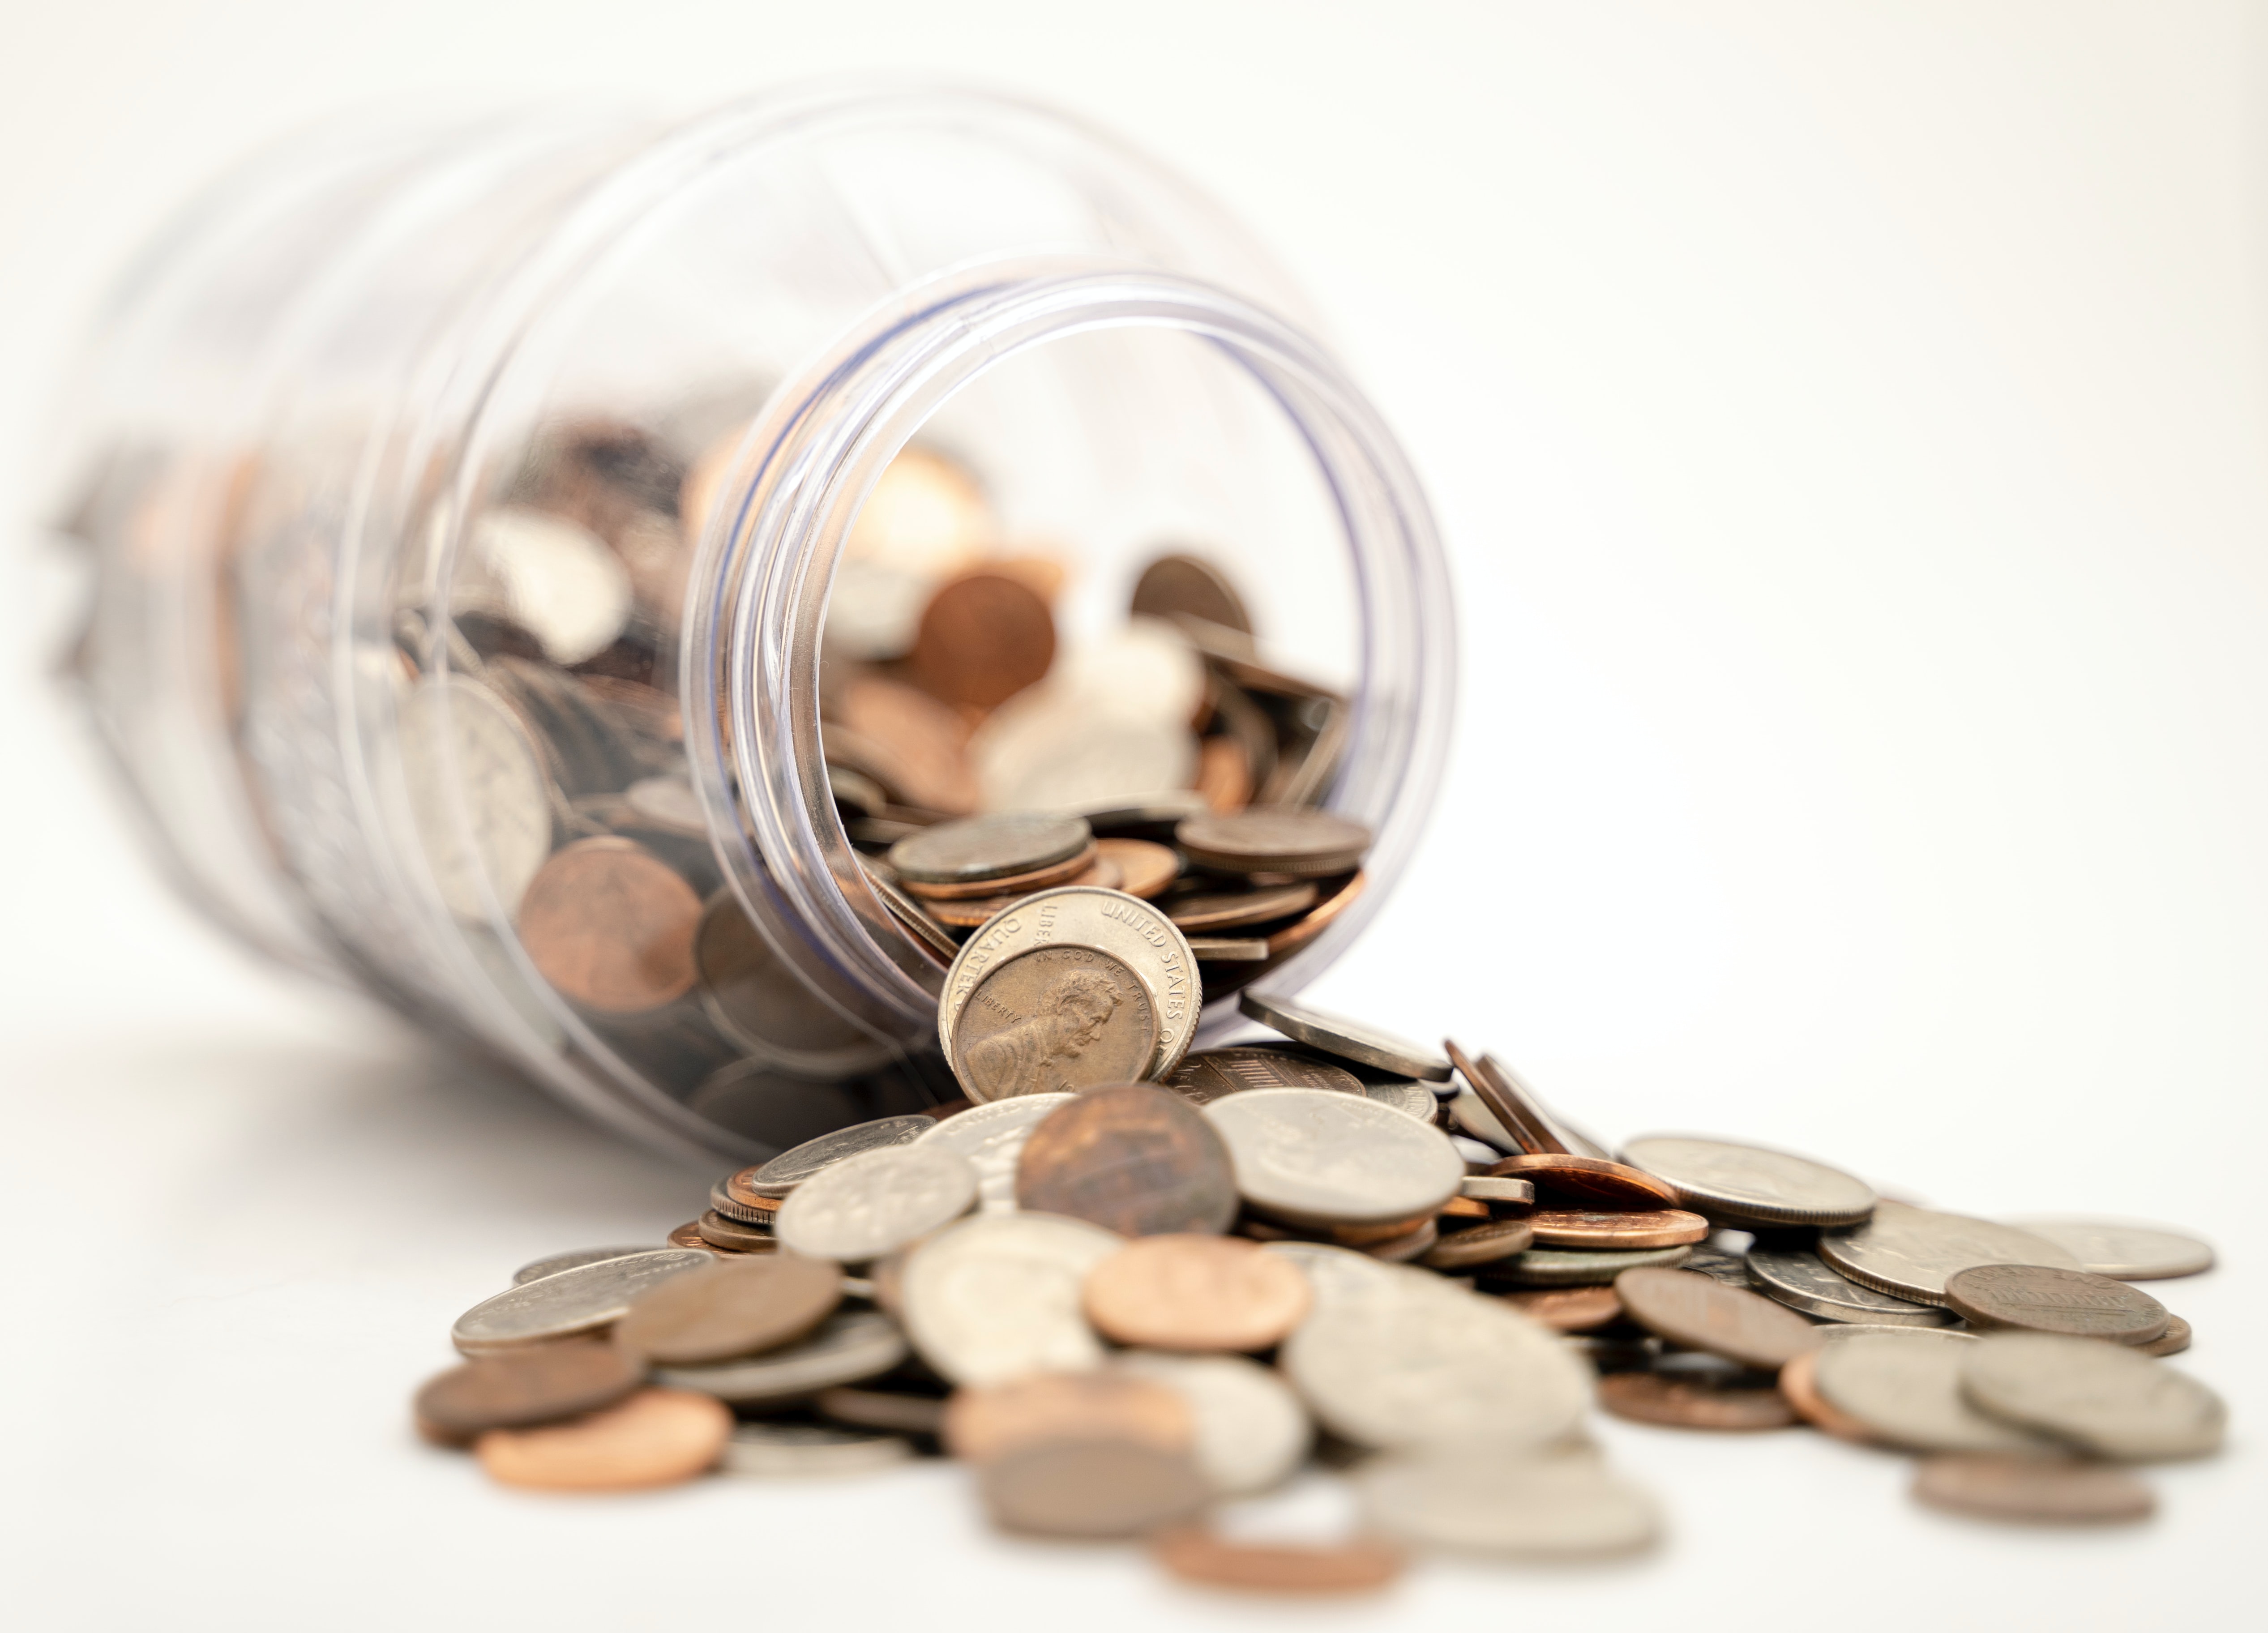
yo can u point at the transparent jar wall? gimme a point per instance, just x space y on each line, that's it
428 476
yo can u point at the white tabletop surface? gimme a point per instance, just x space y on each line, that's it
1848 424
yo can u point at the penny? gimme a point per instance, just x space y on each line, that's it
1091 1487
1483 1244
1653 1398
2062 1491
1144 869
880 1409
982 1423
848 1347
1251 1431
716 1231
997 1297
1586 1182
1189 586
1051 1021
2130 1251
1799 1279
1478 1498
992 1137
1134 1160
574 1301
2040 1299
1498 1193
1313 1157
876 1202
1209 1074
981 849
2103 1398
804 1451
923 743
1011 885
1350 1039
655 1438
774 1179
1627 1229
2177 1339
1509 1111
1904 1386
1262 839
1909 1252
724 1203
1570 1309
1703 1314
1799 1385
540 1383
455 734
983 637
1358 1565
551 1265
729 1310
688 1235
1555 1130
611 927
1750 1183
1580 1267
756 1000
1196 1292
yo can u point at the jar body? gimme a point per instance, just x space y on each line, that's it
463 500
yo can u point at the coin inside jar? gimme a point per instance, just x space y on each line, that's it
1303 845
610 927
1236 909
1196 1292
1132 1159
1144 868
983 637
980 848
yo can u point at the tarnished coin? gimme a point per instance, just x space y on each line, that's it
997 1297
1909 1252
732 1236
876 1202
1686 1403
2103 1398
2040 1299
1314 1156
570 1302
1799 1386
808 1450
1626 1230
1091 1487
1562 1179
992 1139
1358 1565
1349 1039
1180 585
990 1421
755 999
1799 1279
848 1347
2055 1490
983 637
791 1168
1144 869
1750 1183
1271 839
1134 1160
535 1269
1000 846
1569 1309
727 1310
655 1438
2175 1340
1904 1386
611 927
1498 1193
1468 1497
1483 1244
1052 1021
540 1383
1580 1266
1251 1430
1209 1074
1703 1314
1196 1292
2116 1248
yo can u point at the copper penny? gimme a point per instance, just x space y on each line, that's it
1134 1160
1563 1181
655 1438
1470 1208
730 1310
980 1424
1799 1384
2043 1298
1702 1313
1359 1565
511 1390
1651 1398
716 1231
2003 1485
1569 1309
610 927
1235 909
1145 869
1224 772
1054 1020
1011 885
1182 586
1285 942
972 912
1209 1074
923 743
1273 839
1196 1292
688 1235
983 637
1483 1244
1520 1119
1091 1487
1636 1228
2175 1340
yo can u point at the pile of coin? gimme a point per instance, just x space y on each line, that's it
1129 1285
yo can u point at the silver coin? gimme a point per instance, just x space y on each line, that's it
803 1451
910 913
721 1200
569 1302
1350 1039
2116 1248
791 1168
1905 1386
1909 1253
848 1347
999 1297
991 1138
535 1269
1716 1265
1251 1430
1471 1113
857 1210
975 849
1474 1152
2104 1398
1571 1267
1209 1074
560 582
1337 1272
1411 1099
668 803
1748 1183
1316 1158
478 797
1054 751
1803 1281
1229 949
1488 1187
1475 1497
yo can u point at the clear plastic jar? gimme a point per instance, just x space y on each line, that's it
462 495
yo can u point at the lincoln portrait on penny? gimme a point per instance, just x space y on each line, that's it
1027 1057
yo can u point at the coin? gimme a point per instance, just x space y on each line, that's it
1411 1099
1999 1485
1510 1118
570 1302
1352 1040
1358 1565
791 1168
876 1202
610 927
1904 1386
1051 1021
2130 1251
1498 1193
715 1230
1262 839
1091 1487
729 1310
1483 1244
688 1235
1015 885
983 637
1625 1230
908 913
1134 1160
2040 1299
1180 585
1236 909
756 1000
1745 1183
1580 1266
655 1438
1209 1074
1314 1156
1680 1403
538 1384
1335 1272
1909 1252
1799 1279
1703 1314
1799 1385
2177 1339
997 1297
803 1451
1144 869
991 1138
1569 1309
1473 1497
881 1409
1708 1260
477 794
552 1264
723 1203
923 743
2103 1398
1196 1292
1586 1182
848 1347
981 849
990 1421
1251 1431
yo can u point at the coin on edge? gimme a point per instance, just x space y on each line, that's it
1349 1039
655 1438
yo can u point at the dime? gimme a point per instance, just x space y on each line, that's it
724 1203
1190 586
1483 1244
978 849
1133 1159
1799 1385
1750 1183
1571 1309
997 1297
848 1347
611 927
1358 1565
2103 1398
1251 1430
732 1235
992 1137
1473 1497
477 794
1999 1485
1261 838
1411 1099
1313 1157
2177 1339
655 1438
570 1302
551 1265
540 1383
983 637
2039 1298
876 1202
729 1310
1909 1252
1352 1040
1498 1193
1626 1230
1209 1074
1091 1487
1580 1266
1703 1314
880 1408
800 1451
1654 1398
1799 1279
1052 1021
1013 886
756 1000
2132 1252
1904 1386
1586 1182
1196 1292
791 1168
1144 869
988 1422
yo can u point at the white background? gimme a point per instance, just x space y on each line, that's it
1847 422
